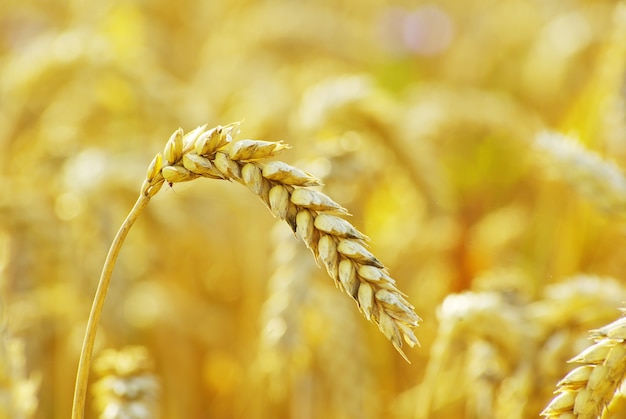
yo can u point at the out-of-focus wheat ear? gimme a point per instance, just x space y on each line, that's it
586 391
597 179
336 354
18 393
492 329
127 387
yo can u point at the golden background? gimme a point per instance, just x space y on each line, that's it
421 119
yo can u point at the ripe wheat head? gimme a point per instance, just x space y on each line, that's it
286 191
312 215
587 390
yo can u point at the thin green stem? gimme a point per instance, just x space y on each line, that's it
84 365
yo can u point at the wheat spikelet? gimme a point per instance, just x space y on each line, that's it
312 215
585 392
127 388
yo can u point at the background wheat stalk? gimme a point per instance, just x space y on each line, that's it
587 390
286 191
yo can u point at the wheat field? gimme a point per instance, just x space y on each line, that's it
457 166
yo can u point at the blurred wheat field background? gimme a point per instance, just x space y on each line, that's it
481 145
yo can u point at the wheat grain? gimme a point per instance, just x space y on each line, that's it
585 392
312 215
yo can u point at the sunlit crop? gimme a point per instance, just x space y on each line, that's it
478 146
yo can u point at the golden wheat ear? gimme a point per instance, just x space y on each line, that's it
587 390
313 216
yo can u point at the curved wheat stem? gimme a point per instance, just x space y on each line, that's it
82 376
312 215
585 392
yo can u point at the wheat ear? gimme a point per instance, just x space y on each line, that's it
585 392
312 215
82 376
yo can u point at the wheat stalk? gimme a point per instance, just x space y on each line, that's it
585 392
286 191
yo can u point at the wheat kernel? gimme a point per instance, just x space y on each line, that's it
304 226
336 226
176 174
347 277
174 147
291 216
155 167
284 173
615 330
615 360
582 403
366 299
356 251
407 332
252 178
200 165
563 402
226 166
327 250
279 201
577 377
201 146
246 150
189 139
595 354
316 200
374 274
388 326
598 378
